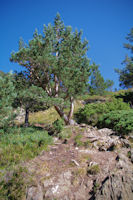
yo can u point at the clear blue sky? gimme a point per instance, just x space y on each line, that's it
105 23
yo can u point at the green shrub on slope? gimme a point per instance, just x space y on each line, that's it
120 121
91 112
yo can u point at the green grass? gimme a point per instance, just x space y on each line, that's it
66 133
17 146
22 144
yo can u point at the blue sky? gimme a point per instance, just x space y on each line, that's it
105 24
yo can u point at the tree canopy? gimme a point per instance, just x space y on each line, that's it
97 83
29 97
56 61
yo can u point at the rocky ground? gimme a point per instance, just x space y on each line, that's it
97 166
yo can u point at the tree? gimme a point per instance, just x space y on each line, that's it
126 74
29 97
57 62
97 83
7 95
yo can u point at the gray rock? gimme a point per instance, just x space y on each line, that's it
58 187
117 186
34 193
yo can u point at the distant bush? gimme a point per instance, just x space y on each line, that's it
91 112
120 121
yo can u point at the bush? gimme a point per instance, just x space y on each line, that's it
78 141
91 112
120 121
58 125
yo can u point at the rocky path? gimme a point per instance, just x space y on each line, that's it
69 172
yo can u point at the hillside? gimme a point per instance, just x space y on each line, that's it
78 162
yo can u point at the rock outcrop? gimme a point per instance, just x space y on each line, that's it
118 184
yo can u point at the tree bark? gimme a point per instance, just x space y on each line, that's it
67 119
62 114
71 108
26 117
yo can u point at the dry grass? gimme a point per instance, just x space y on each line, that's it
44 117
49 116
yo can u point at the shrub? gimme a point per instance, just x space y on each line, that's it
120 121
126 95
65 133
78 141
58 125
91 112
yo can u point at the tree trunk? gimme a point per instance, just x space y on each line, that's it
67 119
71 109
62 114
26 117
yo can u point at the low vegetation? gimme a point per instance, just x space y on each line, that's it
15 187
91 112
22 144
94 169
119 121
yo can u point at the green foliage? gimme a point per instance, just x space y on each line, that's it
126 74
57 62
121 121
65 133
97 84
58 125
28 95
78 141
22 144
91 112
126 95
93 170
7 95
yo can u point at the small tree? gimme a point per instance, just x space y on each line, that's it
29 97
57 62
126 74
7 95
